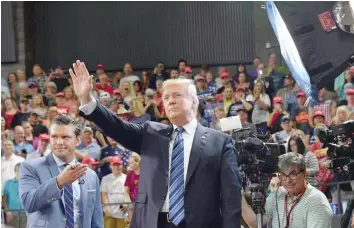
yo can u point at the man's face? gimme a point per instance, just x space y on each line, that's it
37 70
301 100
63 140
127 69
243 115
177 101
294 184
87 137
103 79
319 120
116 168
160 67
7 148
181 66
19 134
224 81
256 62
174 74
322 92
99 71
350 99
24 106
287 82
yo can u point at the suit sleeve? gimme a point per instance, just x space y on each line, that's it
33 194
97 216
231 200
129 135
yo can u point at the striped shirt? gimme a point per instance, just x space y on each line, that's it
313 167
312 211
326 107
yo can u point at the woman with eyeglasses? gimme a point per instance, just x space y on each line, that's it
297 145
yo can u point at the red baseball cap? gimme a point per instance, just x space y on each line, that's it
301 94
240 89
60 94
115 160
188 69
100 66
277 100
319 113
43 137
199 78
350 92
89 161
224 75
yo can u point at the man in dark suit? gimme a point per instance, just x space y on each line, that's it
189 173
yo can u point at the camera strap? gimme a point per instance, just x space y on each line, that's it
293 206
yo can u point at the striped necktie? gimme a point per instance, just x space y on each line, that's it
69 205
176 202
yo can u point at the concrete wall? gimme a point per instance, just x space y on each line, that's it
20 36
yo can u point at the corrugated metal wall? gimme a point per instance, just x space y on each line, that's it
8 39
144 33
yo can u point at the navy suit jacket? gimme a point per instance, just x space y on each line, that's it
212 190
41 198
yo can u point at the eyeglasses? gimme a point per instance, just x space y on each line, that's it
292 176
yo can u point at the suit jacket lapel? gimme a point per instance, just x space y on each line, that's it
197 147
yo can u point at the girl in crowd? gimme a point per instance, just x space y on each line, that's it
38 106
10 109
219 113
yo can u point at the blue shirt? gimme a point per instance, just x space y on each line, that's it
25 146
76 190
107 152
93 150
13 197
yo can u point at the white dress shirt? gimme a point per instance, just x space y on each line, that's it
76 191
8 168
188 136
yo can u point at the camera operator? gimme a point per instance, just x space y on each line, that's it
295 204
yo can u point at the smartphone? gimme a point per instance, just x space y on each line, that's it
23 151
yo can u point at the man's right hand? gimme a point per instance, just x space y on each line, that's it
82 82
70 174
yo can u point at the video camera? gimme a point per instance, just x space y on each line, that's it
339 141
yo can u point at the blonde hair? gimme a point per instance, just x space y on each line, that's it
218 108
135 157
40 97
232 97
138 106
342 108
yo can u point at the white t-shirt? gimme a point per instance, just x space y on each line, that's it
8 168
114 187
130 78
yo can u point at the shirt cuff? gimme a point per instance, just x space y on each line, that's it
87 109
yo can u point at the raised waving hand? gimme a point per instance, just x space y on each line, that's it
82 82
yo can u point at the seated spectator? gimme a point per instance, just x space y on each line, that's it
187 73
33 90
297 145
43 148
284 135
225 82
8 161
211 84
116 79
105 99
28 129
228 99
50 94
318 120
138 88
11 201
100 70
88 145
113 192
312 207
200 113
343 83
37 106
275 118
61 104
13 84
21 146
5 132
150 106
342 115
21 75
219 113
201 84
173 75
52 113
261 104
10 111
70 97
59 79
289 95
22 92
350 102
158 97
23 114
138 112
242 83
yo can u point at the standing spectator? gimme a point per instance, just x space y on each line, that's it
112 192
8 161
104 84
201 84
22 147
22 92
240 101
51 91
6 133
28 129
225 82
254 73
302 113
275 71
127 92
187 72
342 115
242 112
23 115
21 75
173 74
138 112
350 102
128 75
11 202
242 82
13 84
296 144
38 77
260 113
111 150
342 86
228 98
289 93
70 97
61 103
100 70
181 65
150 106
10 111
282 137
160 74
52 113
219 113
138 88
327 106
88 145
146 80
116 79
43 148
59 79
275 118
132 180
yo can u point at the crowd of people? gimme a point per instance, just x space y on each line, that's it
265 96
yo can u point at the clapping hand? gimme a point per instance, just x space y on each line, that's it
82 82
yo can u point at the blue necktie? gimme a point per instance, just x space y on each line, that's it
69 205
176 213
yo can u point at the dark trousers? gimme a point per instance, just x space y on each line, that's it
162 222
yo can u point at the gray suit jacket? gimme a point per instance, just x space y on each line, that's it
213 187
41 198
